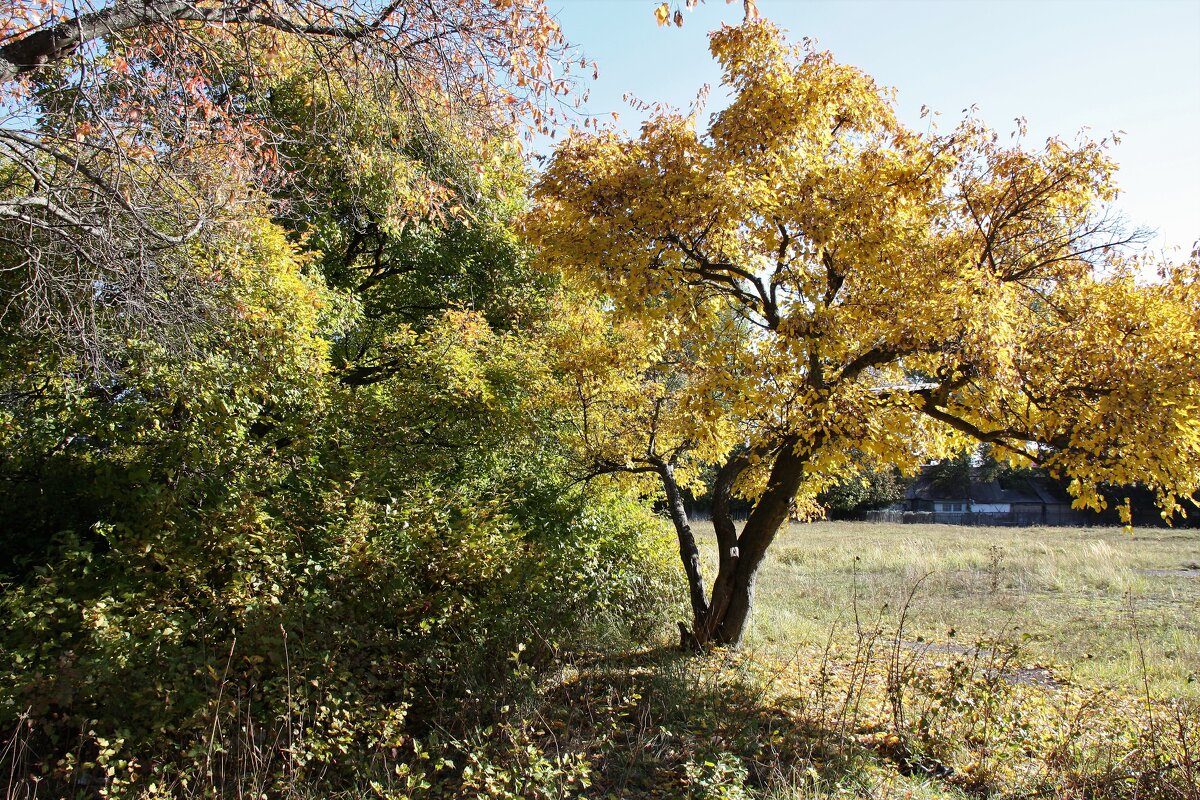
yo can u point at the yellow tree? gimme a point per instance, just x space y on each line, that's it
900 292
629 393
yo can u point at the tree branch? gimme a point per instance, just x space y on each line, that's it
48 45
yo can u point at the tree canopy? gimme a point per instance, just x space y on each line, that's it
901 291
131 128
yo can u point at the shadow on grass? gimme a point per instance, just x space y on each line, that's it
926 725
933 724
662 723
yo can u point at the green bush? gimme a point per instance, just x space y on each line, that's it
306 661
231 573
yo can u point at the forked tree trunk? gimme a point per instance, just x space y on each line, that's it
722 618
689 554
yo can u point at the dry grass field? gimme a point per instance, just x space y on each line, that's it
917 663
1097 605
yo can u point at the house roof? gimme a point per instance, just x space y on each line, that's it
1043 492
980 491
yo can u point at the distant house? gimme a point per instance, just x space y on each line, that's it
1019 501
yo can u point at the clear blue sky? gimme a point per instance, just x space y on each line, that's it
1131 66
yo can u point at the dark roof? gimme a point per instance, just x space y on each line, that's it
1020 490
1043 492
922 488
1051 491
993 492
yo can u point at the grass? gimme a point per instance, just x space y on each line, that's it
852 684
1090 603
1027 663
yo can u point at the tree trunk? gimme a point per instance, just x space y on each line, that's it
729 555
722 620
689 554
733 591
